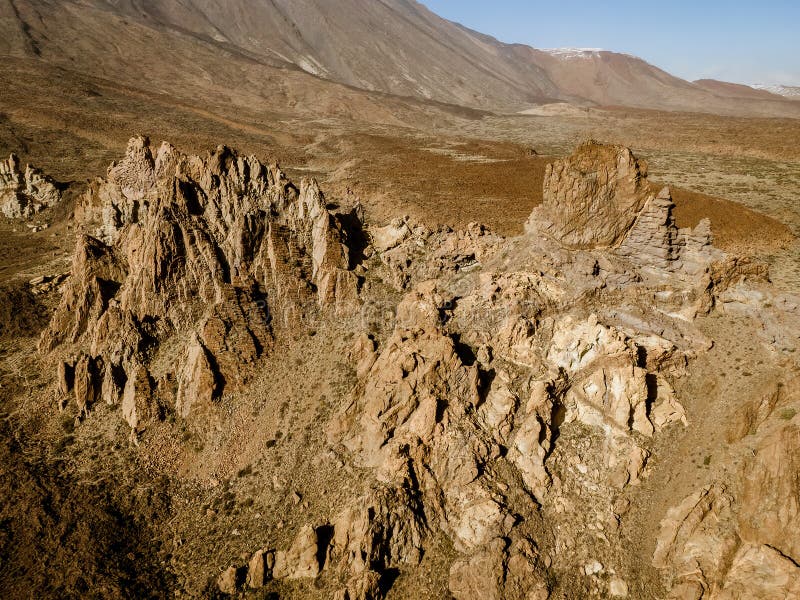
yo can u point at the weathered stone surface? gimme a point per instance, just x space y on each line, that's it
696 516
391 235
599 197
592 198
23 194
363 354
86 383
137 404
481 575
301 560
111 390
414 378
770 497
362 586
497 410
576 344
414 253
532 441
760 573
655 242
384 530
218 251
498 572
613 396
751 416
227 582
197 383
65 377
259 569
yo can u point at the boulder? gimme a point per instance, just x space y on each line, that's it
301 560
259 569
228 581
591 199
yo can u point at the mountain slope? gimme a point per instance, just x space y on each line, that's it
788 91
737 90
390 46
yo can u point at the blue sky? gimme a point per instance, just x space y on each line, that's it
746 42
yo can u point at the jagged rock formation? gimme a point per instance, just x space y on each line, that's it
508 396
413 252
491 361
720 543
25 193
591 199
205 256
600 198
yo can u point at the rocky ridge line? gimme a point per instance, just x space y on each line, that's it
209 256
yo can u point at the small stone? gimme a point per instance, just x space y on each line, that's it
259 569
593 567
618 588
226 582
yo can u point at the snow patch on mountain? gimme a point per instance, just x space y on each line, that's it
570 53
789 91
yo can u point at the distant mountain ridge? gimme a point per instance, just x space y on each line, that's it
397 47
789 91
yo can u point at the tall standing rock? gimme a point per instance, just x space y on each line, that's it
25 193
592 198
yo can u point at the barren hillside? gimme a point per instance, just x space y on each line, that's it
391 46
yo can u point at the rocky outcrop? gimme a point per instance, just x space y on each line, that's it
502 407
599 198
385 529
592 198
301 559
208 257
260 568
412 252
654 241
740 541
25 193
702 551
499 572
770 496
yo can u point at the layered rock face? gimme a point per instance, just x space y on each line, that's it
591 199
25 193
189 267
506 407
600 198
